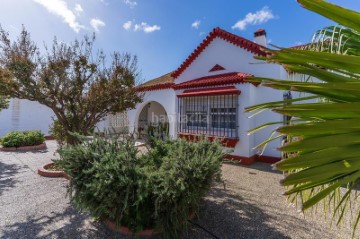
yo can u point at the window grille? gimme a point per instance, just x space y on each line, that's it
209 115
119 122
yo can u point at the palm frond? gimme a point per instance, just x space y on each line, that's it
322 151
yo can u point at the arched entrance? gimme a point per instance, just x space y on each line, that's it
153 120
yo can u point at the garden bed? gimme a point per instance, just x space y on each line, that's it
23 141
50 170
24 148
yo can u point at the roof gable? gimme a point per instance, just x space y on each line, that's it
222 34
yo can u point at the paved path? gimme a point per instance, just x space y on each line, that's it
252 206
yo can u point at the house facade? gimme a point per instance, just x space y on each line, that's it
207 95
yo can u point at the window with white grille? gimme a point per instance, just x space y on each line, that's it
119 122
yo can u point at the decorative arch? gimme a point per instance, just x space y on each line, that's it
151 115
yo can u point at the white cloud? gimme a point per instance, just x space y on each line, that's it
131 3
60 8
127 25
78 9
259 17
96 23
145 27
196 24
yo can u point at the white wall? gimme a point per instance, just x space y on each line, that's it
155 110
229 56
260 95
25 115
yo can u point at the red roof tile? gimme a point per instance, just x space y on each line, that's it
222 79
160 83
227 36
227 90
155 87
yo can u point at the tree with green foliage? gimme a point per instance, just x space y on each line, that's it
322 163
80 85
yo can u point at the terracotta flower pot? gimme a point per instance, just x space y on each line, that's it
43 171
125 230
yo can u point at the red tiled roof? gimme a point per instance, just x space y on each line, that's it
160 83
227 90
156 87
227 36
222 79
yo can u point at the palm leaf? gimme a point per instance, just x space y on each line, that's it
323 140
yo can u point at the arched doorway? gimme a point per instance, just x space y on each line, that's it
153 120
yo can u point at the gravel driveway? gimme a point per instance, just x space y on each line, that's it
251 206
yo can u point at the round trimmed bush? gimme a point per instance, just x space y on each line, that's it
158 190
26 138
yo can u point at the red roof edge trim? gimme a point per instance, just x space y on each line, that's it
215 80
230 90
227 36
156 87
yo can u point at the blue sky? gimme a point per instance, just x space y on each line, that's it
162 33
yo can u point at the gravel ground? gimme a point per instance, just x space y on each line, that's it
251 206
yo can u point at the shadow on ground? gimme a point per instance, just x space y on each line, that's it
73 225
7 176
223 214
37 151
227 215
265 167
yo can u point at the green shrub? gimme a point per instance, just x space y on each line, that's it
26 138
58 132
112 180
34 137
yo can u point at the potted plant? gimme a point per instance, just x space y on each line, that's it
135 192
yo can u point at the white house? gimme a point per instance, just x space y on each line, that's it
208 93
